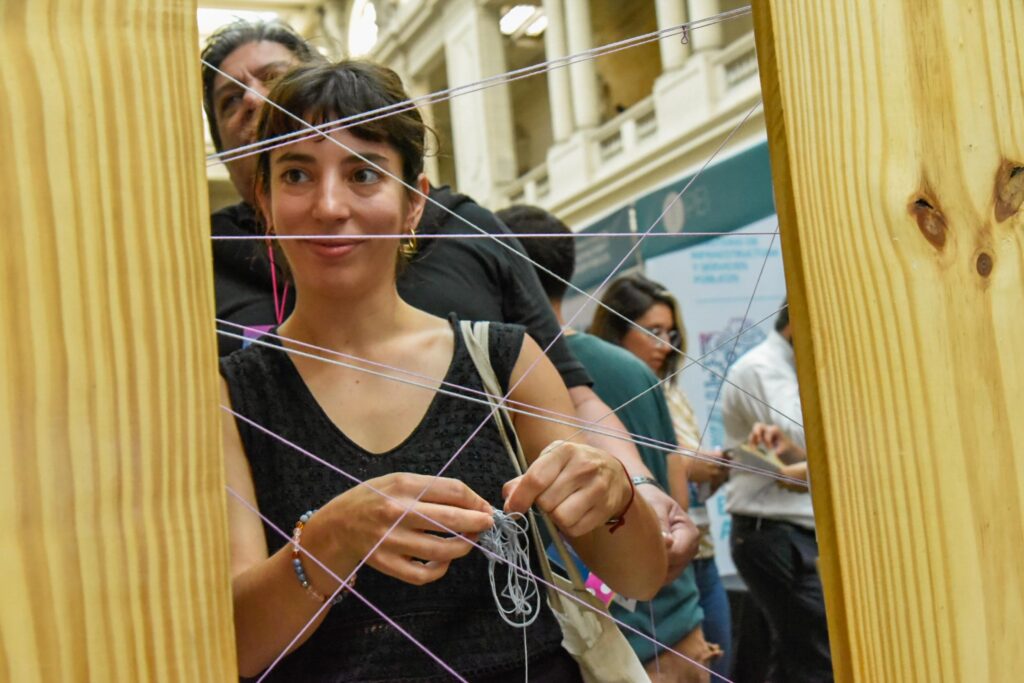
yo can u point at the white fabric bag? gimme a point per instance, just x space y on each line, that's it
588 634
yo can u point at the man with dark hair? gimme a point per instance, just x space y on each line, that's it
478 279
773 535
619 377
557 254
254 53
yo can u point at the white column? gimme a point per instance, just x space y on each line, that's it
481 121
586 105
673 50
559 95
709 37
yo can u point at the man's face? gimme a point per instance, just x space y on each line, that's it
235 108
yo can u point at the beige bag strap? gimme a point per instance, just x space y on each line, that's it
476 336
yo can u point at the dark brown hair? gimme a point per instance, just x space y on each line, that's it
632 296
320 93
556 254
229 38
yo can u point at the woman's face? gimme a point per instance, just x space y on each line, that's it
320 188
653 350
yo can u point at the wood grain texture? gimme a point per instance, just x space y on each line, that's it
896 130
112 517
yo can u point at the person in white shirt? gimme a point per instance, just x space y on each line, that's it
773 542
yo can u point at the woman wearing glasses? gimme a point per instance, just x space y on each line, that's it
653 331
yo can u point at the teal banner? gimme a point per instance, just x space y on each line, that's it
595 258
727 196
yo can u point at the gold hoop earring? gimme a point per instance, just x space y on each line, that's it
409 245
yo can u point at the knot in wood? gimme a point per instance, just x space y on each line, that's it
1009 191
984 264
930 220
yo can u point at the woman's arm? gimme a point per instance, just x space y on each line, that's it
581 487
680 535
270 606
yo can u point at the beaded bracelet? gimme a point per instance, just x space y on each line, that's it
300 572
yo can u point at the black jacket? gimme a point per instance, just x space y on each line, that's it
477 279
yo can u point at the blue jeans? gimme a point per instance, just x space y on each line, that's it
717 621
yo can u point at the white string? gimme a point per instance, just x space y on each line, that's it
408 509
508 541
654 635
536 411
636 245
532 411
463 236
469 88
732 353
522 255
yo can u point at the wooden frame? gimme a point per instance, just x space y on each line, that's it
112 504
896 131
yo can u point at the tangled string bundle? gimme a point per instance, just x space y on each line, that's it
508 540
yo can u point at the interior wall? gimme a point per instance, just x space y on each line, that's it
531 111
625 77
738 27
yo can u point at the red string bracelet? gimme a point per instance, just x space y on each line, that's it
618 520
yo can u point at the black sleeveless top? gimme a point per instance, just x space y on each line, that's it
455 617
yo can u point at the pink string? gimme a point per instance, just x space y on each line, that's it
409 510
327 603
279 301
520 407
489 235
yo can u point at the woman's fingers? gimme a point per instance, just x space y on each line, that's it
448 519
577 515
427 547
443 490
542 474
409 570
430 503
574 483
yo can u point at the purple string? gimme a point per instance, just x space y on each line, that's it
489 553
533 411
327 603
477 236
561 332
448 464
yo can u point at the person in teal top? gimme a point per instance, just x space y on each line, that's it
674 616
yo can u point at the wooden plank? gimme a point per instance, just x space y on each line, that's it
896 130
112 515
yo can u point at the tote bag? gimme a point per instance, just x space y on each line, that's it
588 633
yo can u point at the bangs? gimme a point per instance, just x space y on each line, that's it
352 92
331 95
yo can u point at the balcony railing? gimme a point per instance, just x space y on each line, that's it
620 142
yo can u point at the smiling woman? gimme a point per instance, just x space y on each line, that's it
337 184
389 444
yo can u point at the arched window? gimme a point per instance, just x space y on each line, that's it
362 28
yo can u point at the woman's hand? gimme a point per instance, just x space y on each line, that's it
356 520
578 486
